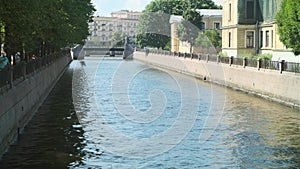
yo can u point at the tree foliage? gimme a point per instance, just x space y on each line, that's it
190 26
153 30
119 38
160 23
288 21
30 23
209 38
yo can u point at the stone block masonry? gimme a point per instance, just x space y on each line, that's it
19 104
270 84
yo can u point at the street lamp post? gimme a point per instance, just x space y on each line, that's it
1 38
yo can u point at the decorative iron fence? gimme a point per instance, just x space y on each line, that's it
224 59
292 67
246 62
22 69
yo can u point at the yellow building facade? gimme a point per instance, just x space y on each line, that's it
249 27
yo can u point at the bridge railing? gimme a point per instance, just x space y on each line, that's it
245 62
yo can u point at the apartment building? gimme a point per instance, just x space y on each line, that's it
103 28
249 27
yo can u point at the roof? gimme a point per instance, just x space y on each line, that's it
210 12
175 18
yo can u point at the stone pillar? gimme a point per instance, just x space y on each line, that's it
230 60
259 62
218 59
24 69
245 62
10 75
281 65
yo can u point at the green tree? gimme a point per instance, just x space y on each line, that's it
119 38
154 28
214 37
32 24
209 39
288 21
189 27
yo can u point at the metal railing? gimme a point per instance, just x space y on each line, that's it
292 67
19 71
245 62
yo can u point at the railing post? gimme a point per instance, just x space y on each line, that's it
230 60
259 63
218 59
11 75
281 65
23 69
244 62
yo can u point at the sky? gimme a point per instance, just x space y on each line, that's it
105 7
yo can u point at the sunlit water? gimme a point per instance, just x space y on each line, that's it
126 114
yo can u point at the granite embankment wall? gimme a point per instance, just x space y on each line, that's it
270 84
19 103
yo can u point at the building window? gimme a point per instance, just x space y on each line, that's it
229 11
267 38
250 9
229 39
250 39
261 39
203 25
217 25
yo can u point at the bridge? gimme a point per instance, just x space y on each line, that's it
79 51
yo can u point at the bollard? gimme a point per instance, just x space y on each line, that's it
199 56
218 59
207 58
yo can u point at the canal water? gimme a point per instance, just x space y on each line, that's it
109 113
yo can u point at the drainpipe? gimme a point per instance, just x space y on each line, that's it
257 45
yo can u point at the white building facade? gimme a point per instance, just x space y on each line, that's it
102 28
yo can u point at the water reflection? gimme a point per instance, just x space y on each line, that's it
264 134
251 133
53 138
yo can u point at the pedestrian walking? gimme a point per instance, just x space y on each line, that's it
3 61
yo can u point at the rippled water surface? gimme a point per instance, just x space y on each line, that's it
125 114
